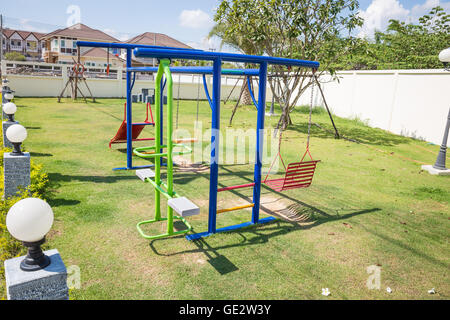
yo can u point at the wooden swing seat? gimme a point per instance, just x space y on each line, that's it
298 175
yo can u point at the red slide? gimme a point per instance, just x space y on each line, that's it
121 135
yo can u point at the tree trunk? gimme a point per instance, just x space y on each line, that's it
246 97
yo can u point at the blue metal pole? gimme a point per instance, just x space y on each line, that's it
215 145
259 141
205 86
129 114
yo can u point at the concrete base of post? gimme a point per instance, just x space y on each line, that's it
49 283
434 171
6 125
16 171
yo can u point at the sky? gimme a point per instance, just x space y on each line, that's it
186 20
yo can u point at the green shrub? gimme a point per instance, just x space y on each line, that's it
14 56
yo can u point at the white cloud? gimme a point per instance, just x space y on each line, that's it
195 19
205 44
379 12
118 35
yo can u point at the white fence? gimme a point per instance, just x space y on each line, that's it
413 103
48 80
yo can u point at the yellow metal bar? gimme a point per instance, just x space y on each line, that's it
251 205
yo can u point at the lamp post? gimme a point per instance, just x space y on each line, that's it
444 57
16 164
39 275
439 167
9 96
29 220
16 134
10 109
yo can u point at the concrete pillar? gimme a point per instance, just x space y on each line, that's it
49 283
16 171
6 125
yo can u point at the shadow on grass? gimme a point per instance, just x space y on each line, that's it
63 202
39 154
261 234
55 178
363 134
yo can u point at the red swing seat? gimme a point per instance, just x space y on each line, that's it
121 135
297 175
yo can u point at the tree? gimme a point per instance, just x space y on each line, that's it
317 30
240 43
14 56
404 45
414 46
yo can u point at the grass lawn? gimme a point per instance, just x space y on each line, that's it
369 204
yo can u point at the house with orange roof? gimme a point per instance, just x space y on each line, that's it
154 39
60 45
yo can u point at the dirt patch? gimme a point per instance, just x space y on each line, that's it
278 207
186 165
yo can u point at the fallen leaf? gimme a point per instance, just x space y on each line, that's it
347 225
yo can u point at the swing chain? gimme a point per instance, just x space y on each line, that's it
198 96
178 100
310 108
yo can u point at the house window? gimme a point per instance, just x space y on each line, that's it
31 45
63 43
16 43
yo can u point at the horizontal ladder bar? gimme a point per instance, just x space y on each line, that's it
236 208
236 187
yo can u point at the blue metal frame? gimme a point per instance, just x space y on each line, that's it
201 70
205 87
216 71
249 85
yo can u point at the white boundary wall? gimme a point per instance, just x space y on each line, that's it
51 86
413 103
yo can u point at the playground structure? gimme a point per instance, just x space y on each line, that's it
76 77
301 173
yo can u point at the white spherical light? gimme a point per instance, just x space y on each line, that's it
9 96
444 56
16 133
10 108
29 220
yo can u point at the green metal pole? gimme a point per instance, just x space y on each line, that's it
158 142
166 64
